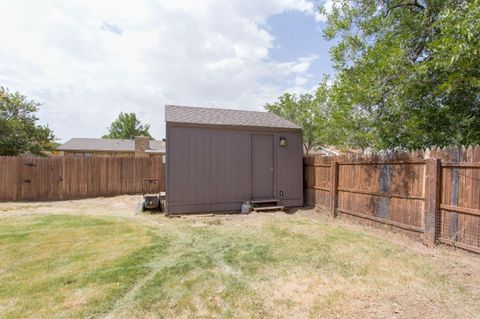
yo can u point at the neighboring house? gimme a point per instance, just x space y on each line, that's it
217 159
320 150
333 151
86 147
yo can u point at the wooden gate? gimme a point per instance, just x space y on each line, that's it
40 178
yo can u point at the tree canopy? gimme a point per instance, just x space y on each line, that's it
408 71
407 74
307 111
127 126
19 131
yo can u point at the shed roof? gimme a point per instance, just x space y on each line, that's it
107 145
225 117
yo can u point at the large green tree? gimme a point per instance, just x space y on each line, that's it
407 72
19 131
127 126
304 110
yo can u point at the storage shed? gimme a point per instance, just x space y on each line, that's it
216 159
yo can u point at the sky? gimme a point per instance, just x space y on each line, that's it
86 61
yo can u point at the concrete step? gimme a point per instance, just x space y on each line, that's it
264 201
268 208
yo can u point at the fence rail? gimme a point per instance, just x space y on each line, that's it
55 178
433 195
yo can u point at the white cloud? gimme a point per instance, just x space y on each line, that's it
300 80
86 61
328 6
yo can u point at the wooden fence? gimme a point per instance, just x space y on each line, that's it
433 195
55 178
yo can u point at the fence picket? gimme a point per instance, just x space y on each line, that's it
392 189
55 178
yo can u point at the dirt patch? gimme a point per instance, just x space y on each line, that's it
125 206
302 294
293 295
79 297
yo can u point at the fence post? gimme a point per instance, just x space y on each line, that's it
20 169
333 188
62 178
432 200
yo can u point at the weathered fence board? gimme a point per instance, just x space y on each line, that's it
433 195
54 178
460 206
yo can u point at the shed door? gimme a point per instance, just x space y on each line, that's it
262 166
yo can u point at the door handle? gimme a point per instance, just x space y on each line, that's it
272 169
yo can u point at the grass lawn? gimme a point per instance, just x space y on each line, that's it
257 266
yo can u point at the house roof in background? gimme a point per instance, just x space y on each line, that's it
327 151
107 145
225 117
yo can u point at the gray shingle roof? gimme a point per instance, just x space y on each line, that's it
107 145
225 117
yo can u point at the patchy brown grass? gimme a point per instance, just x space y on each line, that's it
96 258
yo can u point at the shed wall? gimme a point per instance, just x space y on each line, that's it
289 169
209 169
